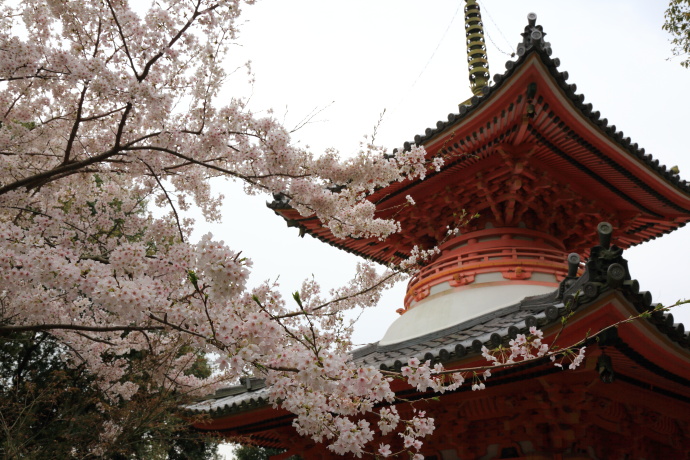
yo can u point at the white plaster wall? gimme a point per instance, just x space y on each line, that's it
454 306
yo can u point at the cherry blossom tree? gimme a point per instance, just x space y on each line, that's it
105 113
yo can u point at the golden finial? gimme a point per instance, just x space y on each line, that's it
478 63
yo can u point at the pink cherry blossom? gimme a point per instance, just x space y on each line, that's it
528 347
108 113
385 450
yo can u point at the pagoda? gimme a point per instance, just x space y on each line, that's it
558 194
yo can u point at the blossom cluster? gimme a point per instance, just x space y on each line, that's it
417 428
575 358
531 346
522 347
424 377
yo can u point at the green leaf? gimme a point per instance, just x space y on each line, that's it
191 276
295 295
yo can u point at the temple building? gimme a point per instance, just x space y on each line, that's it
559 194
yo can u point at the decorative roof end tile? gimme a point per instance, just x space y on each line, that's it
533 37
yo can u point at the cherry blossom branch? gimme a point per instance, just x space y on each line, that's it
45 176
32 77
277 319
19 96
103 115
555 350
4 330
91 252
177 36
308 119
251 179
121 127
177 327
75 126
122 37
95 339
370 288
165 192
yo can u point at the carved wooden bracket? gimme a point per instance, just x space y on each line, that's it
421 293
460 279
517 273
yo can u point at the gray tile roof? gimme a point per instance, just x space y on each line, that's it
605 271
452 343
250 394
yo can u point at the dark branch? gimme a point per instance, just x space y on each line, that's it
5 330
75 126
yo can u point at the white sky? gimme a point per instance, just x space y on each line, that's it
356 58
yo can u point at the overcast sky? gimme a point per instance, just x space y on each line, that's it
353 59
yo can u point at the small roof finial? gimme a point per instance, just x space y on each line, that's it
533 37
477 60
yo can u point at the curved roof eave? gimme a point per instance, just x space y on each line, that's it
586 110
530 50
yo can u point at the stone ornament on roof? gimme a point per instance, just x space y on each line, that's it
533 37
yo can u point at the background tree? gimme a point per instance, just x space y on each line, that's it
678 25
50 407
258 453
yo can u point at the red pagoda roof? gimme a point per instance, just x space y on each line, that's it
530 153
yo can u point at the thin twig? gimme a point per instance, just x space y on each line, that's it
172 205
